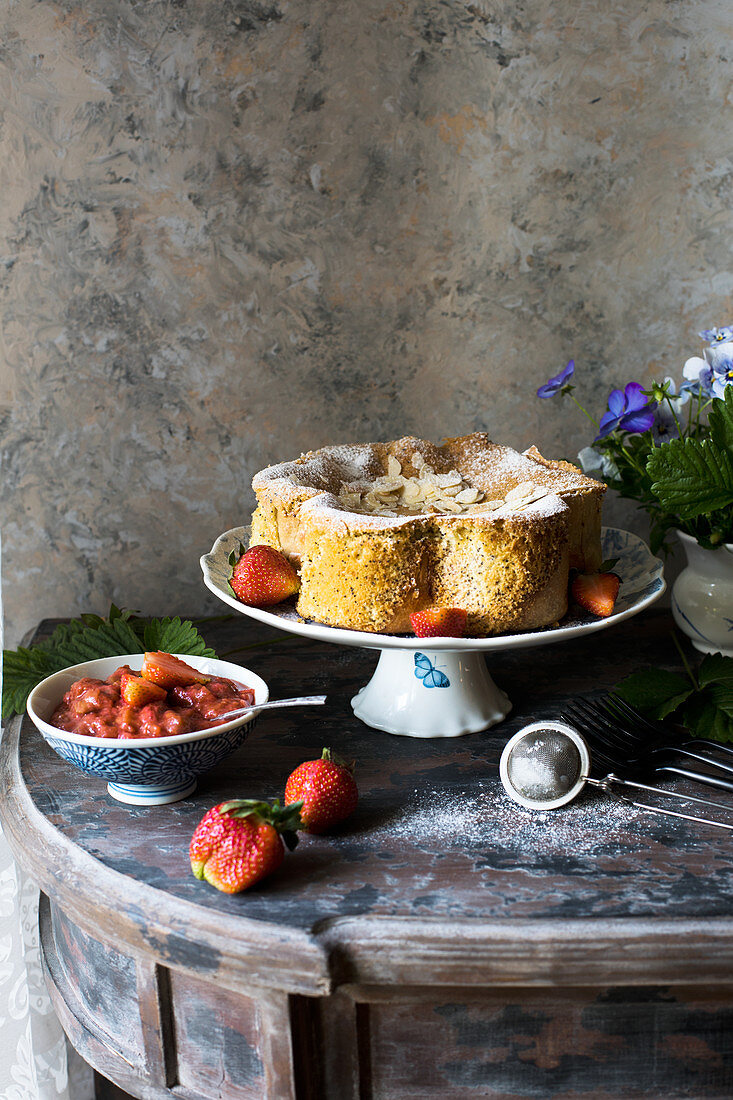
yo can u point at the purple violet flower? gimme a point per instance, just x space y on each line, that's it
629 410
559 382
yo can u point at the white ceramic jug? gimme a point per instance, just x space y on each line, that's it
702 597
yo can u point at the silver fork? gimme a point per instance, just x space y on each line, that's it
623 740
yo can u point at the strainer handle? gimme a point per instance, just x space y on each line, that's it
611 781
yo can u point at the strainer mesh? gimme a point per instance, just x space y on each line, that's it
544 765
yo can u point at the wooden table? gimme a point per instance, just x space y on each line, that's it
443 944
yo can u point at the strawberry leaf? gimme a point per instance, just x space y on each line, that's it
715 668
22 670
704 717
86 639
691 478
703 705
235 555
108 640
655 691
720 420
175 636
722 696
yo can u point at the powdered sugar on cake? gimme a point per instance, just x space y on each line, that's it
495 481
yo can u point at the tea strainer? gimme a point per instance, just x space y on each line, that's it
546 765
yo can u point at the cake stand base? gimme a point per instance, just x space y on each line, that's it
439 693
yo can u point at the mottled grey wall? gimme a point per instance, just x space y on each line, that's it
231 231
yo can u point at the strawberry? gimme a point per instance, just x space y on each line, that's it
263 576
327 790
168 671
137 692
238 843
439 622
596 592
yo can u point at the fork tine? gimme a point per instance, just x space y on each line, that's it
613 748
660 730
601 762
601 710
599 725
628 722
626 711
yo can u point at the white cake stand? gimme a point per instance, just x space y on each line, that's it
440 687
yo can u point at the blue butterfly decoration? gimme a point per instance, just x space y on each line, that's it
429 673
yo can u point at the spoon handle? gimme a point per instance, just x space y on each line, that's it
301 700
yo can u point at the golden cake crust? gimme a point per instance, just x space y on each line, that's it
505 563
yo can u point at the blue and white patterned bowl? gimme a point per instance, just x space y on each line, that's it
145 771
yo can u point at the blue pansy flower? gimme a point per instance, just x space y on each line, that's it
554 385
715 336
629 410
698 375
719 355
597 464
722 377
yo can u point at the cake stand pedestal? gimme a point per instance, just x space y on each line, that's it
440 693
440 687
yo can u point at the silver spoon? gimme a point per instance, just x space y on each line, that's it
302 700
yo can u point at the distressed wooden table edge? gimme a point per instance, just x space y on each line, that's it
240 946
369 949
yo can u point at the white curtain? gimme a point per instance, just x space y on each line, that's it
35 1063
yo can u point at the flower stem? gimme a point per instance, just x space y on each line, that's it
674 414
632 461
585 411
685 662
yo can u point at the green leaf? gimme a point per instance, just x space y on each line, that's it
175 636
715 667
704 718
86 639
235 555
705 707
720 419
691 477
22 670
722 696
655 691
91 620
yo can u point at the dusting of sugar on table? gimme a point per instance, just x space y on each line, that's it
490 819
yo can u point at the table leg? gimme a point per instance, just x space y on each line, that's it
105 1090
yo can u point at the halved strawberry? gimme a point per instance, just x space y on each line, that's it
439 622
168 671
137 692
263 576
596 592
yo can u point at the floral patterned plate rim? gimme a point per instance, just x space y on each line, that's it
641 575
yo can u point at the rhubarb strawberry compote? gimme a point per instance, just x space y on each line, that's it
167 697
